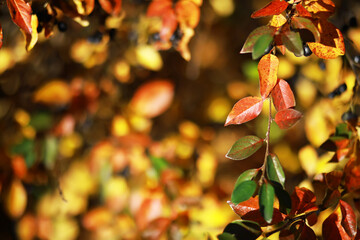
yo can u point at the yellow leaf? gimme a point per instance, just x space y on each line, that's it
53 93
32 38
148 57
223 8
16 199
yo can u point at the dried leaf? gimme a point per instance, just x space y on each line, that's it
245 110
274 8
112 7
245 147
287 118
153 98
267 68
20 12
283 96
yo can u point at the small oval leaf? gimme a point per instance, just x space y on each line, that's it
254 37
274 170
283 96
268 68
261 45
243 192
244 147
287 118
293 42
244 110
266 201
274 8
246 176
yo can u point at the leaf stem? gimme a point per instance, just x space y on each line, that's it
267 141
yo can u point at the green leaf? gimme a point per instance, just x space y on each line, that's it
159 164
226 236
254 37
342 131
261 45
41 121
293 42
245 147
50 148
304 23
283 197
244 229
27 149
243 191
266 201
274 170
246 176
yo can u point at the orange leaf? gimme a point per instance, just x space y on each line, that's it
331 43
153 98
283 96
320 8
274 8
245 110
302 11
267 68
16 199
188 13
20 12
287 118
52 93
158 8
250 210
112 7
352 175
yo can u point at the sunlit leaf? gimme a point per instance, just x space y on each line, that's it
261 45
243 191
148 57
19 167
320 8
283 96
267 68
112 7
255 35
245 110
349 219
53 93
274 169
273 8
352 175
287 118
277 21
20 12
331 43
293 42
305 23
223 8
245 147
302 11
188 13
266 201
16 199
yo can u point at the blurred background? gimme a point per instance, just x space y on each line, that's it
105 137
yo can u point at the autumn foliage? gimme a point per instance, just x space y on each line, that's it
113 117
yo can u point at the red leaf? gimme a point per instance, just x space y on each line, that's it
348 219
287 118
302 11
330 230
307 233
267 68
153 98
245 110
112 7
303 200
20 12
274 8
158 8
333 179
283 96
352 175
249 210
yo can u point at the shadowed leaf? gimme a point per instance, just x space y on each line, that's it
243 191
305 23
254 37
266 201
274 170
292 42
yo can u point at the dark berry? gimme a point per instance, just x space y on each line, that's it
342 88
62 26
345 28
307 50
322 65
332 95
155 37
39 28
112 33
176 37
353 22
268 49
96 37
348 116
357 59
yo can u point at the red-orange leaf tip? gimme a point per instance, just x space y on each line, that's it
245 110
274 8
